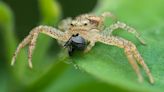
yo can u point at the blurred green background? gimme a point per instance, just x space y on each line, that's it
109 73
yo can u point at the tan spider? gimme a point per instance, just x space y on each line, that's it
90 27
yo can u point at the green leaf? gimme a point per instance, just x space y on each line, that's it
106 63
50 11
8 42
109 63
7 26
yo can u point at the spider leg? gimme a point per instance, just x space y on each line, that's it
133 63
32 37
108 14
143 64
20 46
89 47
31 48
131 52
121 25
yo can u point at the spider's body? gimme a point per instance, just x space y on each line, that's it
76 42
90 27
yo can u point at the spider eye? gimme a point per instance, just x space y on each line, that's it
85 24
71 24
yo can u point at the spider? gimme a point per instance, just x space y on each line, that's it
91 28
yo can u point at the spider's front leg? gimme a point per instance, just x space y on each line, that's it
32 37
89 47
131 53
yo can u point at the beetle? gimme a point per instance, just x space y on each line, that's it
75 42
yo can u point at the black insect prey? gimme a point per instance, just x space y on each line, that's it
75 42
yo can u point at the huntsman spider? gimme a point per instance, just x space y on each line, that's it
91 28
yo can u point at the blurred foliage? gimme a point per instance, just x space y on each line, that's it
106 73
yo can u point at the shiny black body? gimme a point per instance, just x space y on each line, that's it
76 42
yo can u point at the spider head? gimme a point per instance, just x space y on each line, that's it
85 23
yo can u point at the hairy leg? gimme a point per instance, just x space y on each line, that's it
132 61
89 47
20 46
31 48
109 14
130 49
31 40
121 25
143 64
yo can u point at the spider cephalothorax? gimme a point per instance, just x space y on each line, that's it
89 27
